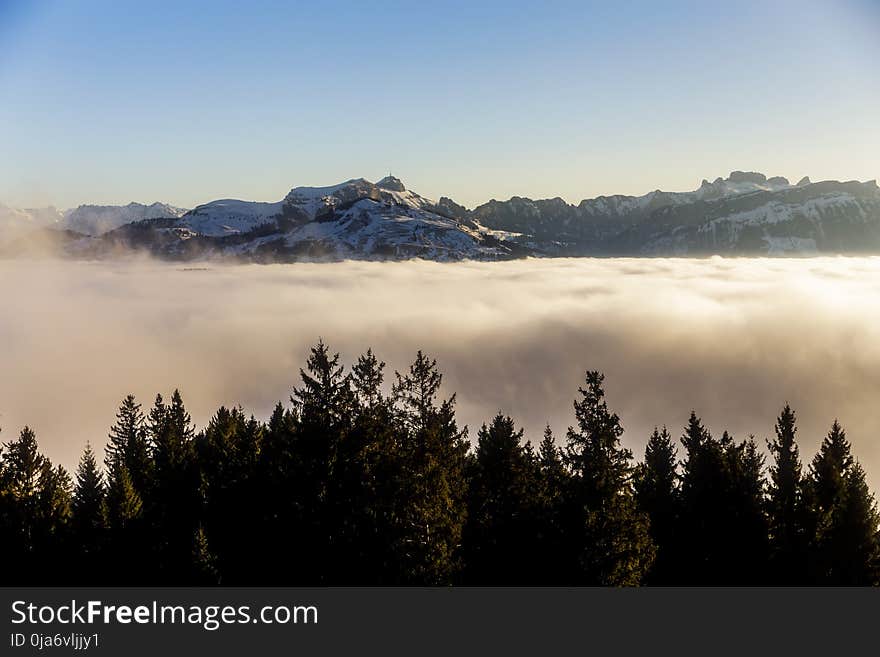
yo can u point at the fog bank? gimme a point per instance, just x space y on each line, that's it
733 339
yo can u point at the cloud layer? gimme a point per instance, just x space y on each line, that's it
733 339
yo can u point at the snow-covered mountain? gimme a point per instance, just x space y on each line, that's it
354 219
229 217
90 220
745 213
30 217
99 219
16 223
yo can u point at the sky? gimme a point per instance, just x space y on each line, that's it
184 102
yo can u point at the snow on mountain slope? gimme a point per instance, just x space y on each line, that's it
376 228
16 223
229 216
311 203
354 219
31 217
807 218
316 202
100 219
301 206
739 183
746 213
727 214
779 211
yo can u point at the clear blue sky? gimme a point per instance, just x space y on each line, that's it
112 101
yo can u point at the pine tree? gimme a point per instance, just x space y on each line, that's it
366 379
323 406
500 533
656 485
846 542
178 436
173 500
554 483
52 525
857 530
129 468
723 527
23 466
324 398
550 461
89 510
786 505
124 504
127 446
280 492
702 529
129 560
747 552
362 494
828 471
610 534
228 453
23 463
416 392
824 492
430 510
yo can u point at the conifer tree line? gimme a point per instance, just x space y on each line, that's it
350 485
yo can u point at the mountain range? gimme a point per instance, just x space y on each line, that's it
746 213
90 220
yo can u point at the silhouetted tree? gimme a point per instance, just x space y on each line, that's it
124 504
37 501
846 544
747 544
430 509
609 533
52 535
23 467
280 508
355 486
173 498
503 497
228 453
89 511
127 446
363 493
554 482
129 480
323 406
656 485
703 531
786 505
722 532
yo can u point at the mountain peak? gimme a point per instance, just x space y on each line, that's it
391 183
747 176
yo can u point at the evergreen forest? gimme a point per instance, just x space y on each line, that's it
359 480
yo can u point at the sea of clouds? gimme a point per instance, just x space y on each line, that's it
733 339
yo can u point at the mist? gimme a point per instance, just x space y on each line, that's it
733 339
